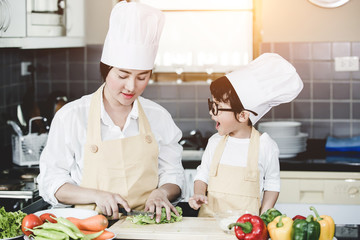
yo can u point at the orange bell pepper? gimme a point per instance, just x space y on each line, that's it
280 228
327 225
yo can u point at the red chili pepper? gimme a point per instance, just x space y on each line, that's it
298 217
250 227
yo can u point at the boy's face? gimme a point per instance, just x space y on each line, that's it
226 122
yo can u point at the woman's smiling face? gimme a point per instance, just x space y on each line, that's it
123 86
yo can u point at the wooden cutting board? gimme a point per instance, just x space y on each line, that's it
188 228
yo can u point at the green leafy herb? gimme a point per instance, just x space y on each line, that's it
10 223
143 219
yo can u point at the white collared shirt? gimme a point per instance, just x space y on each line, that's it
235 154
63 157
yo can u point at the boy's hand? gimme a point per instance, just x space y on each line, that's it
197 200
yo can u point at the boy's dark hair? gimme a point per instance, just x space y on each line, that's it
222 90
104 70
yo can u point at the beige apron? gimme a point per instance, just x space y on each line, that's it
232 187
127 166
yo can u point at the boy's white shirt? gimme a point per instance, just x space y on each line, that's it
235 154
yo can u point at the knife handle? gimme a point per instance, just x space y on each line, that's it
123 211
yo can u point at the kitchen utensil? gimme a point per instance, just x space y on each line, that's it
10 184
135 213
33 119
54 102
20 116
16 127
27 149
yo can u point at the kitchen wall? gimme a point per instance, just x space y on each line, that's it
311 37
328 105
302 21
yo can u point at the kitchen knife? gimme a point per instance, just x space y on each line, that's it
135 212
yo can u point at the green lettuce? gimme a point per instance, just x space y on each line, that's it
143 219
10 223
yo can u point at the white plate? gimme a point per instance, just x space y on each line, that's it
291 151
12 237
27 238
280 128
69 212
287 155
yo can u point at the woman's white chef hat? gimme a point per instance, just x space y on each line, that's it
267 81
133 37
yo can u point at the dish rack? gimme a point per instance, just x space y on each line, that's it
26 149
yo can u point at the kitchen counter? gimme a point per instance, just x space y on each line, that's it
314 159
198 228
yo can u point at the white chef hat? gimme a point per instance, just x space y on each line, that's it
133 37
267 81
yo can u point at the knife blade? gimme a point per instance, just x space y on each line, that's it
135 212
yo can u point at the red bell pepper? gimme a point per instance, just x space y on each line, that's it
298 217
250 227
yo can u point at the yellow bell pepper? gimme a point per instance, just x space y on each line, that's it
327 225
280 228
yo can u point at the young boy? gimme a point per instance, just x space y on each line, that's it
240 166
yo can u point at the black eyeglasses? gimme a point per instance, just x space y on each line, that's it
214 108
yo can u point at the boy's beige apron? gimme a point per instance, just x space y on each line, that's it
127 166
232 187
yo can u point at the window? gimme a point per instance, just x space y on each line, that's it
203 34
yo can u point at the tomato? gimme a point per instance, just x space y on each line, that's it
30 221
45 217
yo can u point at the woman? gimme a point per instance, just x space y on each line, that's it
114 148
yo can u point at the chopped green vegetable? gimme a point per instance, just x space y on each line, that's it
143 219
10 223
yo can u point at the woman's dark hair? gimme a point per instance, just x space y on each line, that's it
222 90
104 70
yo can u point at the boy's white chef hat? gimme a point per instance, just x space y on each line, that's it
267 81
133 36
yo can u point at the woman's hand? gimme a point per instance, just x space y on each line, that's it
197 200
109 203
157 200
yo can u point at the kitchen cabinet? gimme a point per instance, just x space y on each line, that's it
320 187
13 19
332 193
25 27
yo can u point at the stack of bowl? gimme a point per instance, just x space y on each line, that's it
287 135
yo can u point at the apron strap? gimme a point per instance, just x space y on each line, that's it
144 126
253 156
217 156
93 126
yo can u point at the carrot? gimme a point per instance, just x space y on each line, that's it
95 223
105 235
